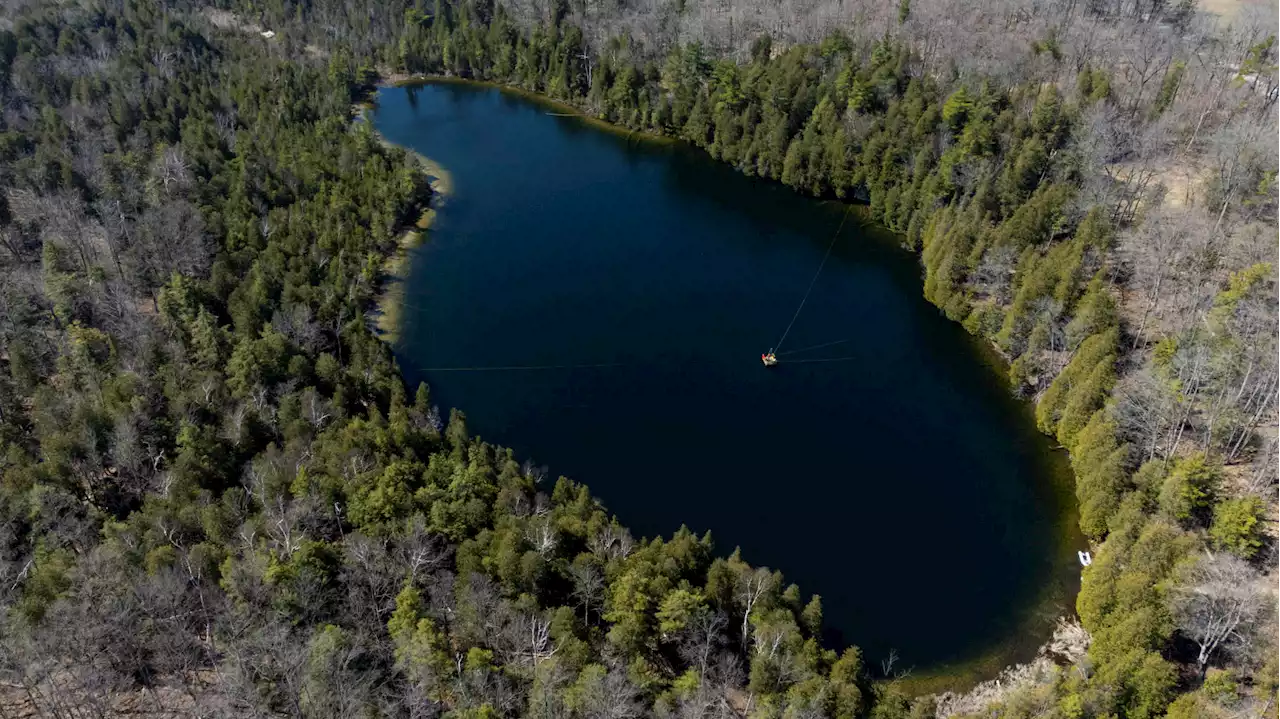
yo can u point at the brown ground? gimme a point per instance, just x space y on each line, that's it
1225 9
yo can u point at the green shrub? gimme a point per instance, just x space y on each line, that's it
1237 526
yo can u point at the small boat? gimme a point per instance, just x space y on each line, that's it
769 359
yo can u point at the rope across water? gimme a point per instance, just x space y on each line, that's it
598 365
812 347
828 359
515 368
813 282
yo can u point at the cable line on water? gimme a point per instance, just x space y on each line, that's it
520 368
828 359
598 365
814 347
814 281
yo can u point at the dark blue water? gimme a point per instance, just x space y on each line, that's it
900 481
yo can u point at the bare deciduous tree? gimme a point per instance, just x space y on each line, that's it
588 587
1219 604
752 585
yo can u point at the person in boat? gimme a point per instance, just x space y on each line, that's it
769 359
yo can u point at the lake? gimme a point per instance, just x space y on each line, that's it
629 287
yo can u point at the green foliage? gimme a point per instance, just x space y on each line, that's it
1257 60
1222 686
1092 85
328 657
1169 87
1096 313
845 676
1241 286
376 503
1188 706
1080 389
46 581
306 582
1039 215
1046 286
956 110
677 609
1237 525
421 649
1191 489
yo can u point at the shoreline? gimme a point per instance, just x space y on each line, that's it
1048 609
561 108
386 312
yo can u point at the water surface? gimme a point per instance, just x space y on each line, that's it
899 481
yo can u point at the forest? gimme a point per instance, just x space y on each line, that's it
220 499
